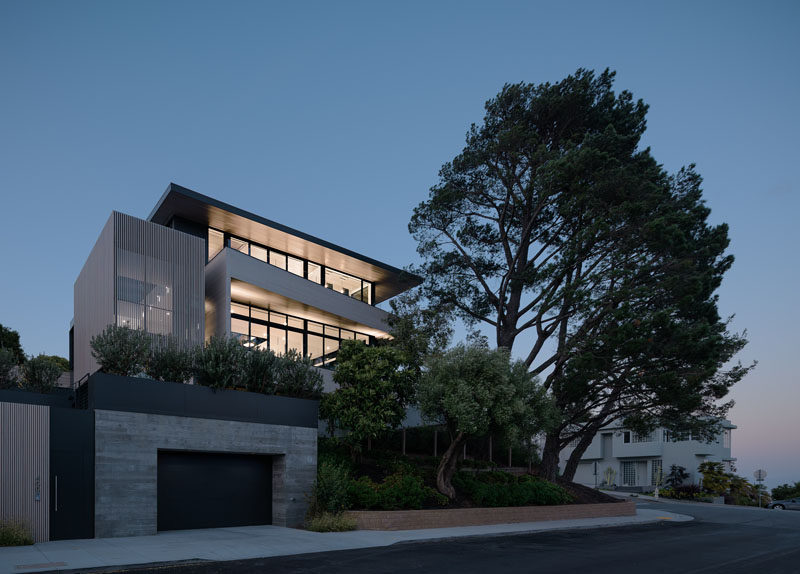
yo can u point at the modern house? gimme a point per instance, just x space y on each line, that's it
198 267
119 456
637 460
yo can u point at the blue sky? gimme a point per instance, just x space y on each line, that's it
334 118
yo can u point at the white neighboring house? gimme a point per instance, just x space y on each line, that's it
637 460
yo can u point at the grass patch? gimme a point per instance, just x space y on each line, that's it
15 534
330 522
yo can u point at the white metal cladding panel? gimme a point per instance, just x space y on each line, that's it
94 299
159 279
25 466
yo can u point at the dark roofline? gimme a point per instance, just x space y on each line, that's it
179 189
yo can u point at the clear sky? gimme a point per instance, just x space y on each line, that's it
334 118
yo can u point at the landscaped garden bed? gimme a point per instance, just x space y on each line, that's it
385 490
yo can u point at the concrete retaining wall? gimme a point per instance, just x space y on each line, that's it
126 458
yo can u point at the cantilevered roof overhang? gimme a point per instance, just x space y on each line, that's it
185 203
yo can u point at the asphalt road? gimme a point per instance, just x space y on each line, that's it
720 539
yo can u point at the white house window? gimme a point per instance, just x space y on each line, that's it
677 436
628 473
629 437
726 438
656 476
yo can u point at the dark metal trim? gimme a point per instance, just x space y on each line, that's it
139 395
160 215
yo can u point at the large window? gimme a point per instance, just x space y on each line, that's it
656 476
333 279
144 292
264 329
628 473
631 437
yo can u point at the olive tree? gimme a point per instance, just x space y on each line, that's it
475 391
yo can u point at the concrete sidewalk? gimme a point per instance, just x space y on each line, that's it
262 541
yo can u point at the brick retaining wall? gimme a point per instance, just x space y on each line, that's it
443 518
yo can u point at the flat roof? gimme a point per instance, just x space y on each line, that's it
186 203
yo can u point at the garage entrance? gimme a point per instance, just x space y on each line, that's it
213 490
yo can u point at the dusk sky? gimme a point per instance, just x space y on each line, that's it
335 117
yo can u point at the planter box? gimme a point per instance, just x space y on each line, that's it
139 395
444 518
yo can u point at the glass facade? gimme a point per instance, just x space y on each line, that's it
278 332
338 281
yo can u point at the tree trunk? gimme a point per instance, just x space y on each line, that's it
549 469
448 465
575 456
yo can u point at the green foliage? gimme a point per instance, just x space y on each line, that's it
331 522
218 364
554 226
374 388
417 331
682 492
715 480
677 474
224 363
8 369
504 489
399 491
476 391
39 374
330 491
743 492
121 350
255 370
61 362
168 362
9 339
295 376
785 491
14 534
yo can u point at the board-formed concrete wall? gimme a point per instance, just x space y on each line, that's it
126 464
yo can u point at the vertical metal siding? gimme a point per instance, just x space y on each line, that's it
159 279
93 299
144 275
25 466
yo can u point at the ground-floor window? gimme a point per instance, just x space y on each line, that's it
656 472
279 332
628 473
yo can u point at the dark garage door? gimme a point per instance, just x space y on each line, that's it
211 490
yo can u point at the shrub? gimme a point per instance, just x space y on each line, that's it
715 480
121 350
397 492
785 491
402 491
218 364
331 522
15 534
257 370
295 376
363 493
677 474
330 490
39 374
682 492
503 489
168 362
